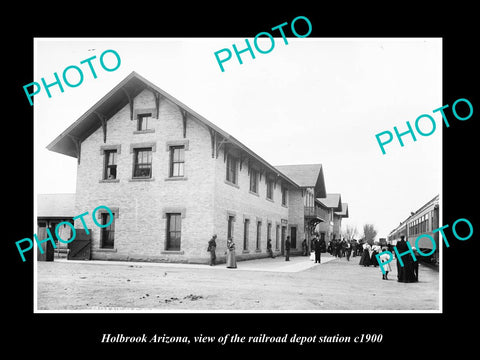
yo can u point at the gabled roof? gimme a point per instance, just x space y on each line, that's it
116 99
56 205
344 212
333 201
308 175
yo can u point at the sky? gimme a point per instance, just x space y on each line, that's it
315 100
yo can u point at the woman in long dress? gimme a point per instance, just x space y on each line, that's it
231 260
384 259
375 250
365 259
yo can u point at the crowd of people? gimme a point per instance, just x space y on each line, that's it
338 248
367 253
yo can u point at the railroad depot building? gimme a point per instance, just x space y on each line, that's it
335 210
173 179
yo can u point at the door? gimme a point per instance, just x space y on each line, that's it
284 231
293 237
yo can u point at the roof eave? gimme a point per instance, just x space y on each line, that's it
65 143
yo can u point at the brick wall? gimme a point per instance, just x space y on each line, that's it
238 201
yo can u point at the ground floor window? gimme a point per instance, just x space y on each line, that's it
230 227
174 231
246 226
269 231
107 235
259 234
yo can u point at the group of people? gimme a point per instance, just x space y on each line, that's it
367 257
406 273
231 257
343 248
338 248
317 246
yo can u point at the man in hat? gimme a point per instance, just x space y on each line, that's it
287 249
212 246
318 250
415 265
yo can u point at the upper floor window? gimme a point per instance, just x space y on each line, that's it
254 181
110 169
231 169
177 161
284 195
142 163
143 121
270 189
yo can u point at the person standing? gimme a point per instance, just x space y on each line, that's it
231 259
401 248
348 250
375 250
269 248
287 249
343 247
318 251
304 247
365 258
384 258
212 246
415 265
323 246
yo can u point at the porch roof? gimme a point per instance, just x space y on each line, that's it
333 201
344 212
306 175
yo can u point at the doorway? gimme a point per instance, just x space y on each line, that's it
293 237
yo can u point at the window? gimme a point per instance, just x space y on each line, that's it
143 163
174 231
110 169
246 226
230 227
231 169
259 235
177 161
284 195
269 231
107 234
142 121
254 181
270 189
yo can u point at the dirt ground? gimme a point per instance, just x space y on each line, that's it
256 285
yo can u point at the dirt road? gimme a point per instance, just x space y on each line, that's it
256 285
